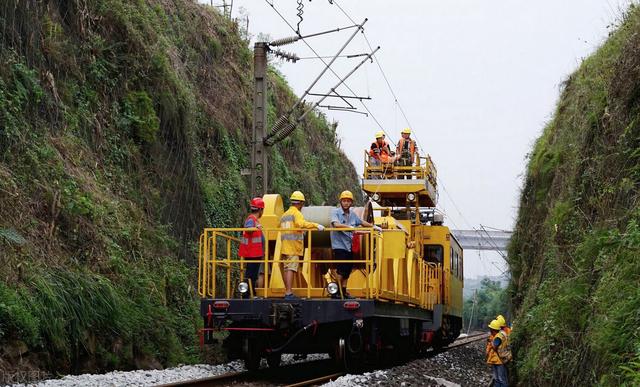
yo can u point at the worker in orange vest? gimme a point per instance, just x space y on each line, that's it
380 151
498 354
252 244
406 151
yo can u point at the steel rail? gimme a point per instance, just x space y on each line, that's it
233 377
319 380
467 340
218 380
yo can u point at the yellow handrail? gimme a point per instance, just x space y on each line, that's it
217 251
422 168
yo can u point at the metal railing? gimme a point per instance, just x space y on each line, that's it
420 168
220 269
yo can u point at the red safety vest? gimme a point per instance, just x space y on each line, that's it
251 241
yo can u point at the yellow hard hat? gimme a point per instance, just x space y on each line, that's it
406 131
297 196
346 195
379 134
495 325
501 320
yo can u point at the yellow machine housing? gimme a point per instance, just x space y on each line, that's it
410 262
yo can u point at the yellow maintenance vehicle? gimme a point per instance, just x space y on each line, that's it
407 281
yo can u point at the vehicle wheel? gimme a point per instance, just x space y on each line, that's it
251 355
354 356
273 360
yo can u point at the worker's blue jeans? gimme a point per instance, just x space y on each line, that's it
500 375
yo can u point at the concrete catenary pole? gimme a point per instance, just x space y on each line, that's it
259 159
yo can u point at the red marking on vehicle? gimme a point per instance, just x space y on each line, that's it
209 316
248 329
201 332
427 336
221 305
351 305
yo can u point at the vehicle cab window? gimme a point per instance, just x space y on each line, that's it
433 253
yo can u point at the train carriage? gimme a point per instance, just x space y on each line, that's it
407 280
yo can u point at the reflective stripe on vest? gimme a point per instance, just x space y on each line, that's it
292 237
245 241
287 218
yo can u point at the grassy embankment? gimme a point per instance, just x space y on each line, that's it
123 129
575 253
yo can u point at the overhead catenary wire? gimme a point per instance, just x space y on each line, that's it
384 76
272 5
417 139
406 118
397 103
348 56
284 126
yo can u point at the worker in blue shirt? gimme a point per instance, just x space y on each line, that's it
341 241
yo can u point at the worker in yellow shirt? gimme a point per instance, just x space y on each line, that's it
293 241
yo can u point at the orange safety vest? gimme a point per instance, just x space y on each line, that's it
401 145
251 241
381 149
501 355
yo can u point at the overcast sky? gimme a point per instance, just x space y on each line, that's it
477 80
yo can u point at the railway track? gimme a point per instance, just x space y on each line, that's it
462 341
316 372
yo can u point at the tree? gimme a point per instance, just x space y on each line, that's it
491 301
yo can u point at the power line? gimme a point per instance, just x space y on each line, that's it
348 56
330 69
384 75
441 184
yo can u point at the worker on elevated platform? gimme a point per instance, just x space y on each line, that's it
252 244
498 354
342 241
406 151
293 241
380 152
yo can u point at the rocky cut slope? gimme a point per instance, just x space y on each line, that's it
575 253
123 129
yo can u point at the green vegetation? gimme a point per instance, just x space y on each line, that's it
490 301
574 254
124 126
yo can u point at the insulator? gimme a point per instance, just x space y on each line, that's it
284 41
286 55
286 130
281 123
